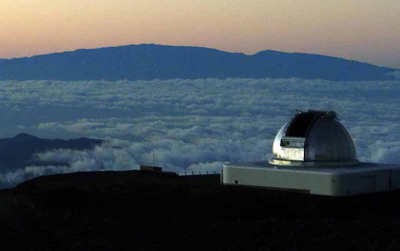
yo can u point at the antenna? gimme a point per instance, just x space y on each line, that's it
153 158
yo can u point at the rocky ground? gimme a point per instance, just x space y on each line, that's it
148 211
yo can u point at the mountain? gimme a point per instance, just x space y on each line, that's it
149 61
18 152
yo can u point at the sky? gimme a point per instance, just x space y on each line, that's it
364 30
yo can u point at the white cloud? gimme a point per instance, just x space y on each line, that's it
191 124
13 178
384 152
203 168
395 74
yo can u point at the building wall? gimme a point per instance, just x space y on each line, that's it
322 183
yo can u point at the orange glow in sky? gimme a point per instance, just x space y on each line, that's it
364 30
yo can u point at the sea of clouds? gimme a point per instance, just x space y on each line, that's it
189 125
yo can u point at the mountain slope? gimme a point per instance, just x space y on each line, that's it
136 210
18 152
147 61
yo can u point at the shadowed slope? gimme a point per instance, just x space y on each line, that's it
17 152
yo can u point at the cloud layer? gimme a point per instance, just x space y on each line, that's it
395 74
190 125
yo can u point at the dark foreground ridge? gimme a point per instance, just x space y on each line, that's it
136 210
149 61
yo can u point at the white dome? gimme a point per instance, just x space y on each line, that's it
314 138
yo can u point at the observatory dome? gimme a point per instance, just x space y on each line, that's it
314 138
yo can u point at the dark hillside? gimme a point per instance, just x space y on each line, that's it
18 152
160 211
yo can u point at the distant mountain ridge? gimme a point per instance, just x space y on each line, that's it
18 152
149 61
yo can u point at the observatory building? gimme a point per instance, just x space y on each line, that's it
315 154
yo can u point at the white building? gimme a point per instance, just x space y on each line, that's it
314 154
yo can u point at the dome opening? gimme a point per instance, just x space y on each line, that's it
303 121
